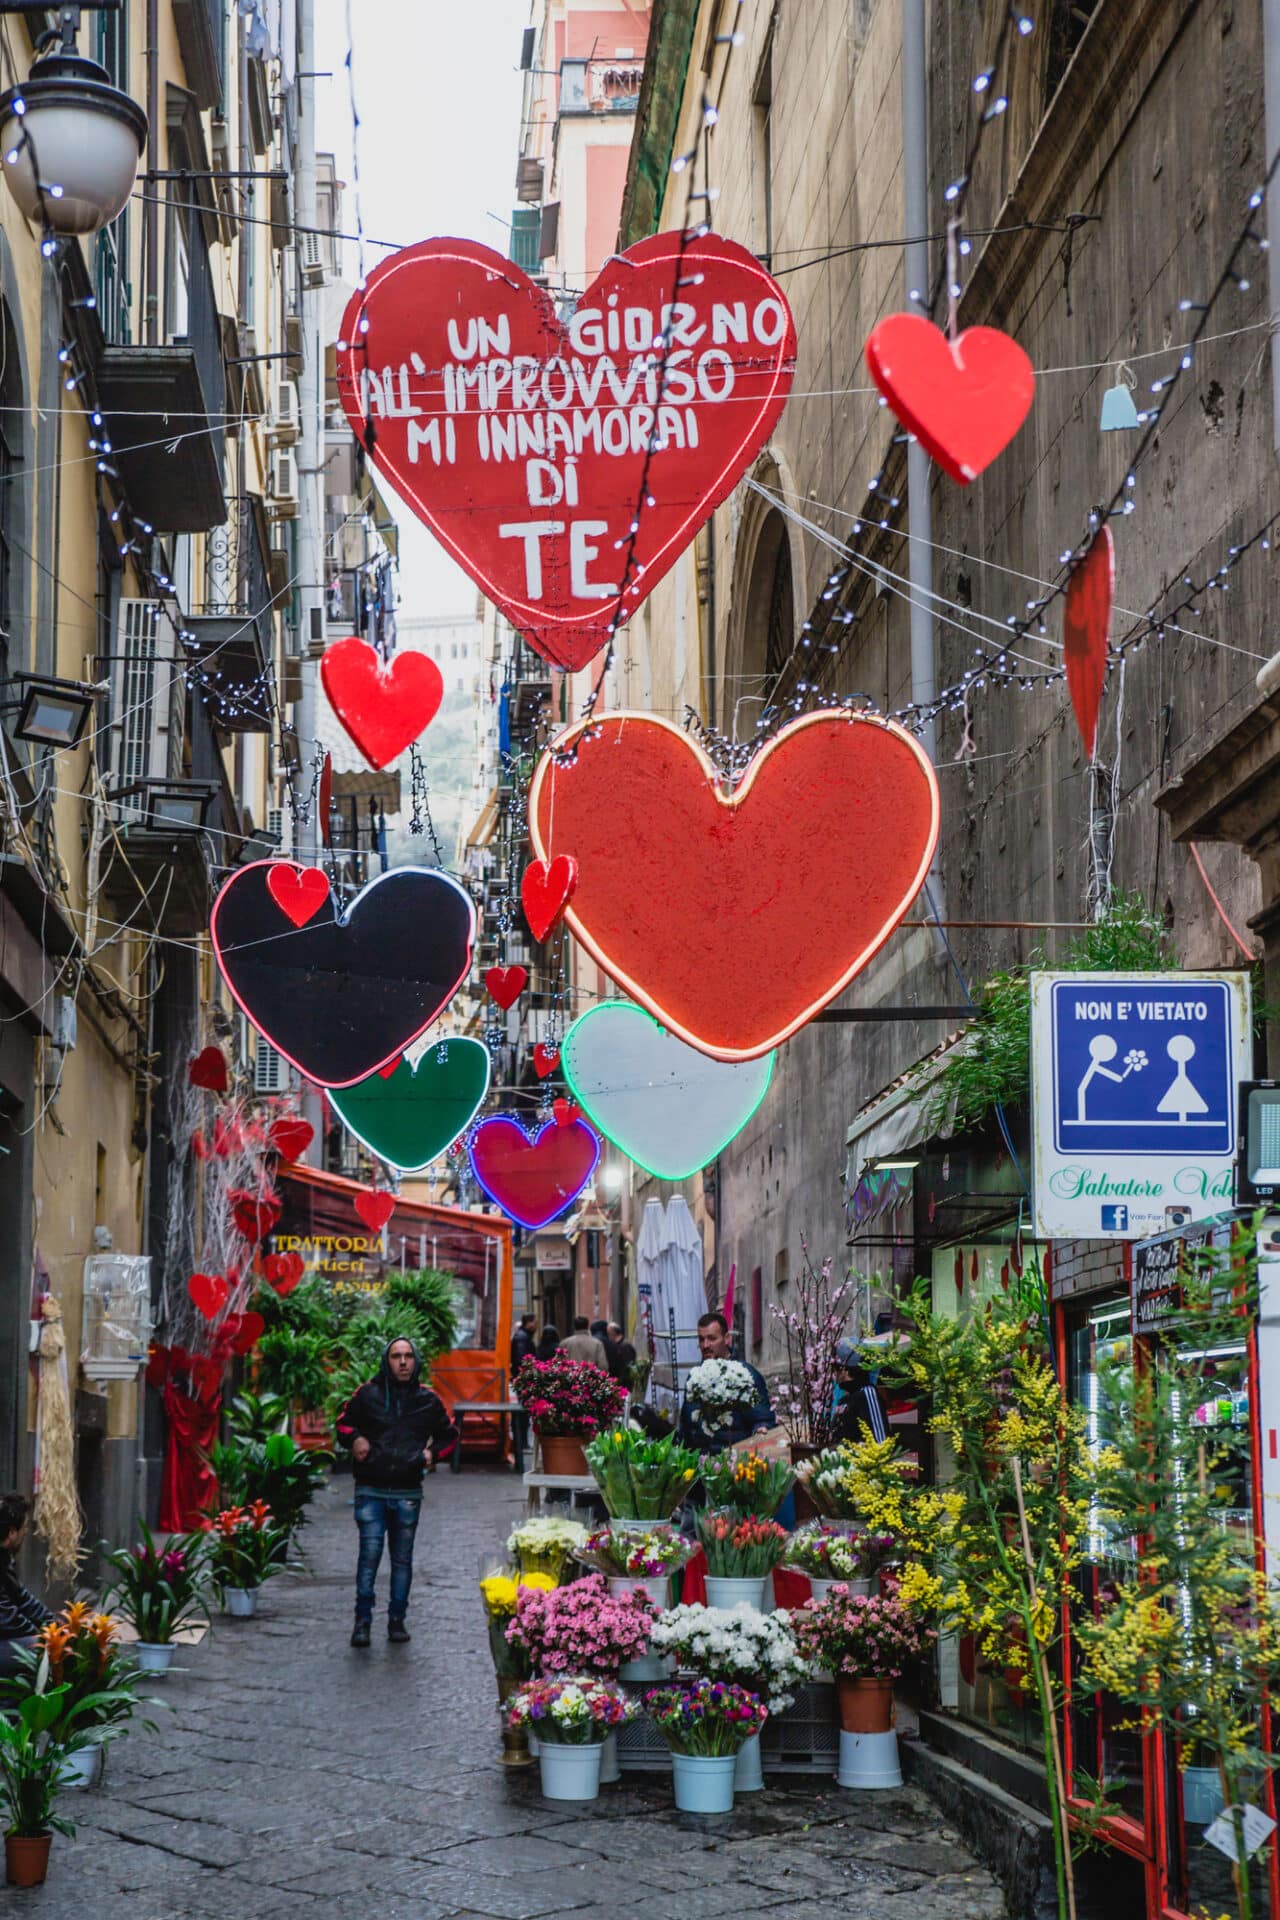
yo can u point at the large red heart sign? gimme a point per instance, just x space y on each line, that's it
1086 630
533 1176
530 446
733 917
963 399
383 707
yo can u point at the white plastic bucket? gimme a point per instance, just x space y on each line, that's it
154 1656
651 1667
869 1760
570 1772
704 1782
621 1585
83 1769
748 1774
724 1592
242 1602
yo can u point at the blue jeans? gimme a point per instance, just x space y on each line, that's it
377 1516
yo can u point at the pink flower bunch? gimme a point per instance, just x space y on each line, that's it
581 1628
861 1636
567 1398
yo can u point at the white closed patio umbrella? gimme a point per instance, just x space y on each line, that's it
682 1293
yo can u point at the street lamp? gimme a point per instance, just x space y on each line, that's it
51 713
176 803
71 141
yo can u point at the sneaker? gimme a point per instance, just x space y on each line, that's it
397 1631
360 1634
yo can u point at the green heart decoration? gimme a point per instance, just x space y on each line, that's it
416 1112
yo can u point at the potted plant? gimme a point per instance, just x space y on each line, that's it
499 1590
641 1480
158 1592
583 1629
718 1389
636 1562
705 1724
746 1482
78 1655
571 1716
569 1402
742 1551
754 1650
33 1768
544 1543
826 1555
866 1642
246 1548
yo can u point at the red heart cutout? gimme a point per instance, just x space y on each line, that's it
208 1292
375 1208
733 920
505 984
565 1112
283 1271
525 444
254 1216
1086 629
546 890
299 892
964 399
209 1070
249 1332
291 1138
199 1145
545 1059
533 1177
384 708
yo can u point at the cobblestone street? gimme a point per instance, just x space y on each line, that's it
291 1776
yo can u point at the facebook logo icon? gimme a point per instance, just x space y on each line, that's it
1115 1219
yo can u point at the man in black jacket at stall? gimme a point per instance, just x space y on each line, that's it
396 1428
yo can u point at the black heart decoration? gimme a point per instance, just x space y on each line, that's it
347 992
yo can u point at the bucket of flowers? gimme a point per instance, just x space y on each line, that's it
866 1642
569 1402
159 1591
747 1482
705 1725
572 1717
868 1483
246 1548
717 1390
544 1543
78 1655
500 1586
583 1628
640 1480
758 1651
827 1554
742 1551
636 1562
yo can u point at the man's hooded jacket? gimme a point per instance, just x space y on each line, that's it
398 1420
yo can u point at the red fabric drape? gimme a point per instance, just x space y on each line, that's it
188 1485
790 1589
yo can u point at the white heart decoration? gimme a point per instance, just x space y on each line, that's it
667 1106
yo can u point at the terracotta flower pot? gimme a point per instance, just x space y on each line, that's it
562 1454
866 1706
26 1858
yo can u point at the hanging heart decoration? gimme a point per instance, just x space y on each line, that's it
524 442
221 1138
545 1059
208 1294
348 992
374 1207
668 1107
565 1112
199 1145
532 1176
250 1330
209 1070
546 890
283 1271
734 918
408 1117
1086 632
964 399
505 984
383 706
291 1137
255 1215
299 892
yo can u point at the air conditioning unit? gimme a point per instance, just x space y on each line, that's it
147 696
269 1071
283 500
283 428
312 265
280 822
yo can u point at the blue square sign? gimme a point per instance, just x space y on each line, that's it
1143 1069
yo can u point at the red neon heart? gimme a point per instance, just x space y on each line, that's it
209 1070
1086 629
208 1292
565 1112
291 1138
299 892
734 920
963 400
545 1059
283 1271
455 309
546 890
505 984
254 1216
375 1208
533 1177
384 708
248 1333
199 1145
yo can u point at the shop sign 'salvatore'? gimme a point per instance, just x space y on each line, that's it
566 465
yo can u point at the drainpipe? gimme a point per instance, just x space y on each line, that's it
1271 123
915 195
151 205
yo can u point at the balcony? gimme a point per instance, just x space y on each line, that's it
232 623
202 29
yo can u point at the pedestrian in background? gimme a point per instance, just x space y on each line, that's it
548 1341
622 1355
583 1345
858 1409
522 1345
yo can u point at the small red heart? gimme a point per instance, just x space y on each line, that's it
299 892
254 1216
209 1070
505 984
199 1145
291 1138
249 1332
545 1059
1086 629
221 1138
283 1271
375 1208
546 891
565 1112
384 708
208 1292
964 399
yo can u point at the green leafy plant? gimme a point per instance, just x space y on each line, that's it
293 1362
159 1590
78 1655
33 1765
256 1416
276 1470
641 1479
246 1547
430 1294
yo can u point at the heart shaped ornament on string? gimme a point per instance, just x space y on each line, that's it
734 917
504 985
346 993
668 1107
291 1137
283 1271
208 1293
374 1207
409 1117
964 399
524 443
533 1176
384 707
1086 631
208 1070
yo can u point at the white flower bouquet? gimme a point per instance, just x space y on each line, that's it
736 1644
719 1389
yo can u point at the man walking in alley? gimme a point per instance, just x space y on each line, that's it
583 1345
395 1428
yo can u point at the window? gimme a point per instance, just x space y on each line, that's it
178 290
762 152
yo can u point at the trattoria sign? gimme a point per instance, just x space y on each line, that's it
566 464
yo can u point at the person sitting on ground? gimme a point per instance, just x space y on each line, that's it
583 1345
622 1355
858 1410
21 1614
714 1344
548 1341
396 1428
